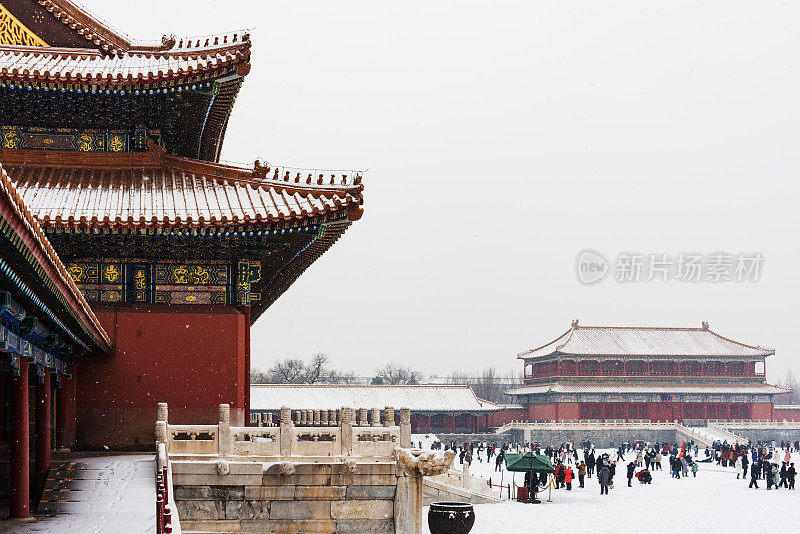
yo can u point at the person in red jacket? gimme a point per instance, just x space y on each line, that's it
568 478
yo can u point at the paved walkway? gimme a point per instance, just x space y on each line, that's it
93 494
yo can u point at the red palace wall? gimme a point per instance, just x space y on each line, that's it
787 415
191 357
762 411
568 411
506 416
542 411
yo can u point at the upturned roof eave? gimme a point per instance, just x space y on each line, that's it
47 258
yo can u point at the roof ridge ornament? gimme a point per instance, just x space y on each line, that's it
167 42
156 150
705 325
260 171
574 323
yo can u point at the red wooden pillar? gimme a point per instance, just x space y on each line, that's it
42 420
454 422
19 503
246 311
61 418
429 424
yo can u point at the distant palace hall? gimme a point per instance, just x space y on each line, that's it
133 263
656 374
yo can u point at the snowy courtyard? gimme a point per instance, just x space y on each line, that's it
714 501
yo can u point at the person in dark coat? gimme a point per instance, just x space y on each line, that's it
745 462
603 477
783 474
631 471
590 463
753 478
498 463
790 474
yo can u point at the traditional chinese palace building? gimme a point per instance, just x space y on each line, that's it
133 264
656 374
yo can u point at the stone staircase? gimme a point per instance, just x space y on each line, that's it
434 490
459 486
707 435
730 436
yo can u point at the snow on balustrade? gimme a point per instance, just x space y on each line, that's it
363 432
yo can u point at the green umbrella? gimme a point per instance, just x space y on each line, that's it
523 462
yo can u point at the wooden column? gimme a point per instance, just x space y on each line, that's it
19 501
61 418
246 311
42 421
429 424
454 422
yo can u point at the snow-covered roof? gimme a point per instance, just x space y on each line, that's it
787 406
61 65
420 398
644 341
666 387
32 239
157 189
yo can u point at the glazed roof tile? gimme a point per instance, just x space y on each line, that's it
146 191
47 255
644 341
425 398
90 66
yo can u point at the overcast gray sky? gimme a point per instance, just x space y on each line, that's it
501 139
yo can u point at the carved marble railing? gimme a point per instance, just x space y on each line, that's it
344 432
328 418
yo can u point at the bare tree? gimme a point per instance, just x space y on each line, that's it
259 376
489 384
394 373
288 371
345 377
317 370
458 377
790 382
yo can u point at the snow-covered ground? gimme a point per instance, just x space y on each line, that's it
714 501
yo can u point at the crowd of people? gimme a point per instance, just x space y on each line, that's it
765 461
